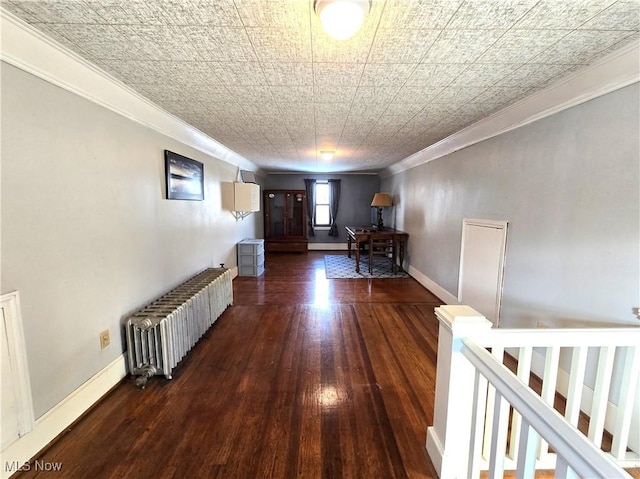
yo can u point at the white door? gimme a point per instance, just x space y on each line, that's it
10 427
481 266
17 404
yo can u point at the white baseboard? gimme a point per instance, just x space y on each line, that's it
55 421
434 449
432 286
327 246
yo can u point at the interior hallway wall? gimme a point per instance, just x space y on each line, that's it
87 234
356 193
569 186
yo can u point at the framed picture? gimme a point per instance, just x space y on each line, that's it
185 177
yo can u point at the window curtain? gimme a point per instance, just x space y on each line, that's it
310 186
334 201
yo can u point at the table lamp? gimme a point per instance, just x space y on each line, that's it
381 200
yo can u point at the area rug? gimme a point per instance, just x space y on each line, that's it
341 266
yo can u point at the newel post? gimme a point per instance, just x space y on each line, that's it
449 439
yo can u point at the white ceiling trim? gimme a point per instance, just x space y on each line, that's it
26 48
617 70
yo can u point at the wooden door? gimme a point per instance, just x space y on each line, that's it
285 220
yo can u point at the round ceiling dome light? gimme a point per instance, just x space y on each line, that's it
327 155
341 19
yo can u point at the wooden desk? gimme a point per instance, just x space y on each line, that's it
361 235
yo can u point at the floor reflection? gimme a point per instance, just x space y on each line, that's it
328 396
321 289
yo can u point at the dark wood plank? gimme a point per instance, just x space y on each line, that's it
303 377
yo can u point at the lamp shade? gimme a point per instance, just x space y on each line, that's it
381 200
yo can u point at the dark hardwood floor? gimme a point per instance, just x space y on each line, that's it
302 377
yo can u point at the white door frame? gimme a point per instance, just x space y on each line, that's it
10 305
499 225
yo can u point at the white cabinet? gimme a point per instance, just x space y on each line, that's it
241 197
251 257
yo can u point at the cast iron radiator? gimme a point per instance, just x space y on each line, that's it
161 333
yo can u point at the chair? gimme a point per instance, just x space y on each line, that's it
381 247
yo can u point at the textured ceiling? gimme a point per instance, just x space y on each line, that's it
263 79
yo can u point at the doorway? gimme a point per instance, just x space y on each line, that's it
17 404
482 256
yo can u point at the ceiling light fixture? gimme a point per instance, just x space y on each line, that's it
341 19
327 155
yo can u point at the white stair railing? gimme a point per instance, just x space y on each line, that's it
574 452
473 419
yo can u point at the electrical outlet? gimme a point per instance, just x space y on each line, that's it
104 339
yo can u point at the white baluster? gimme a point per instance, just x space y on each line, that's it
576 381
601 394
499 437
549 382
527 455
524 370
563 471
498 353
625 403
477 424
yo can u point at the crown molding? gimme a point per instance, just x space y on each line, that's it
618 69
322 173
30 50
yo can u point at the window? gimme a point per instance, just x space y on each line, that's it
322 204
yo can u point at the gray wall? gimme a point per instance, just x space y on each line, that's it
568 185
87 236
356 193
